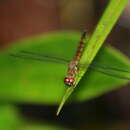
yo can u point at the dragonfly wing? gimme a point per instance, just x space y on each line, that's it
96 64
109 74
38 58
104 67
43 55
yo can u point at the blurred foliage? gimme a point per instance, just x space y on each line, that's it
9 118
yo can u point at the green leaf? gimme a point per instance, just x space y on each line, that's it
30 81
9 118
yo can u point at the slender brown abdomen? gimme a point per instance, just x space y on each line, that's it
73 64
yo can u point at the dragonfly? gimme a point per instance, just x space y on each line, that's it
73 65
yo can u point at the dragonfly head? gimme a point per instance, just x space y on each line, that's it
69 81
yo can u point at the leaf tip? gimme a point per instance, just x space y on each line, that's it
65 97
58 112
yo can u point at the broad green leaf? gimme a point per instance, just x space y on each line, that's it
9 118
30 81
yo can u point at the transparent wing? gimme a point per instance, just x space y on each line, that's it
39 57
110 74
103 66
104 69
43 55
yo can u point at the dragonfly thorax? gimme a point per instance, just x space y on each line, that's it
72 69
73 63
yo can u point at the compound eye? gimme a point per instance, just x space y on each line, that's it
66 80
69 81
